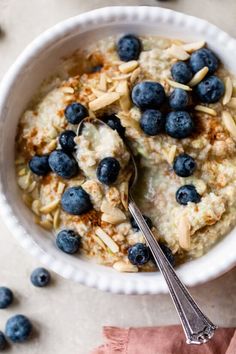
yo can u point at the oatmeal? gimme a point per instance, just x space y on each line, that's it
175 104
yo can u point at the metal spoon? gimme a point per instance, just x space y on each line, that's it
197 327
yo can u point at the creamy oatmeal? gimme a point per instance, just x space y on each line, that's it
181 130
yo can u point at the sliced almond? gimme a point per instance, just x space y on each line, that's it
135 75
103 82
178 85
107 208
50 207
178 52
104 101
32 186
107 240
125 101
46 224
192 47
68 90
124 194
232 103
171 154
122 266
36 207
198 77
52 145
229 123
112 219
129 66
228 91
22 172
97 93
99 241
184 233
24 181
60 187
205 109
122 77
56 219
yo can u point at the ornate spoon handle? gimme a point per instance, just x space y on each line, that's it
197 327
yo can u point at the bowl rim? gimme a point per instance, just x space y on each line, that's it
130 284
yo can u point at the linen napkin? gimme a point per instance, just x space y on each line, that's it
163 340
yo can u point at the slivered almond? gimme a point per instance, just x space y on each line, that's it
107 240
171 154
50 207
113 87
99 241
229 123
192 47
124 194
135 75
103 82
56 219
205 109
129 66
123 89
122 77
232 103
36 206
228 91
24 181
107 208
104 101
121 266
184 233
60 187
178 85
198 77
52 145
32 186
22 172
178 52
112 219
97 93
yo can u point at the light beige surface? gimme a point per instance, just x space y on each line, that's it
68 317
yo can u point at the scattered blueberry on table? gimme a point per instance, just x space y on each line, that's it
179 124
148 94
138 254
179 99
75 113
210 90
152 122
39 165
63 164
186 194
108 170
114 123
135 226
66 140
3 342
76 201
68 241
18 328
184 165
129 47
40 277
181 72
6 297
201 58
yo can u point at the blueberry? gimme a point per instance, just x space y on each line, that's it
181 72
75 112
179 99
152 122
66 140
184 165
108 170
40 277
76 201
3 342
63 164
68 241
187 193
138 254
39 165
114 123
148 94
6 297
203 57
210 90
135 225
129 47
168 253
18 328
179 124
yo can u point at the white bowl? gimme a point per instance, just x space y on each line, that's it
36 63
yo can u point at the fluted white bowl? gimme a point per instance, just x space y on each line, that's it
36 63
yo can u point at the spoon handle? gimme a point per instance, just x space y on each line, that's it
197 327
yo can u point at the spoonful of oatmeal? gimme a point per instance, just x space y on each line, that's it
105 155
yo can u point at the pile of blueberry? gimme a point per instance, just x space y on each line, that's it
18 328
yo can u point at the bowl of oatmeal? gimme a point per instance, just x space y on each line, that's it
163 83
